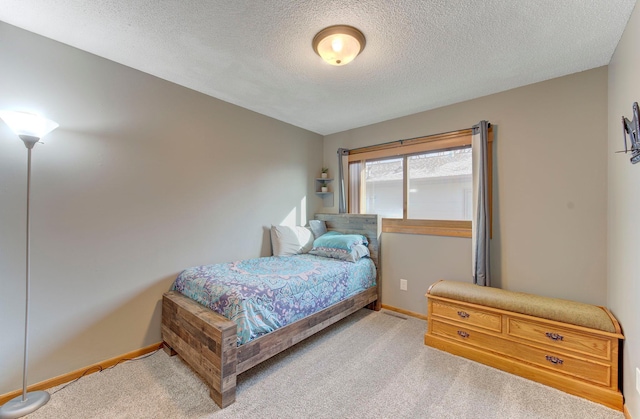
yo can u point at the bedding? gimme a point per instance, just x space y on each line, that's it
318 228
261 295
349 247
289 241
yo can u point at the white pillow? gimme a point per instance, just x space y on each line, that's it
289 241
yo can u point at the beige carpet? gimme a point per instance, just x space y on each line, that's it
371 364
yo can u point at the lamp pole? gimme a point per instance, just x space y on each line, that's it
28 402
28 279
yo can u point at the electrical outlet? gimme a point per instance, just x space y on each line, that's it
638 380
403 284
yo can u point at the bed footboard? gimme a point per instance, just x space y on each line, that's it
205 340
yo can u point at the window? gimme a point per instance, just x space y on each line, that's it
418 186
438 182
383 187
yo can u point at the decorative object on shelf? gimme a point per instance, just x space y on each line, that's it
325 172
324 187
30 128
633 129
339 44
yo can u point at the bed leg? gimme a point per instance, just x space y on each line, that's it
225 399
225 380
376 305
168 349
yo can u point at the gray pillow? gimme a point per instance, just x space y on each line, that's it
318 228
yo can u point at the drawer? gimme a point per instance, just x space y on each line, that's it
473 317
559 338
591 371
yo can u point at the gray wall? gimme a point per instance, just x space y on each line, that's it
550 193
624 207
142 179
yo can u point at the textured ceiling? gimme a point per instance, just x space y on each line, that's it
257 53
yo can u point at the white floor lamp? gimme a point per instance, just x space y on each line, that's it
30 128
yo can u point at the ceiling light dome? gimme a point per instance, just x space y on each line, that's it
339 45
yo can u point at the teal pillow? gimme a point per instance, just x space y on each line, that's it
338 240
349 247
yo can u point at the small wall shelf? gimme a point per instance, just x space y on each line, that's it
327 197
319 182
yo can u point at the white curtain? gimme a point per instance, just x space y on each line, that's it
480 223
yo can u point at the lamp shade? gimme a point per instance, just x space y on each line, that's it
28 124
339 45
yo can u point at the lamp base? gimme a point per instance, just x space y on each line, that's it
17 408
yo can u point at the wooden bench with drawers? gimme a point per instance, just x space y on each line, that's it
564 344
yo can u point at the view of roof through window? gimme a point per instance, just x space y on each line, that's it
425 165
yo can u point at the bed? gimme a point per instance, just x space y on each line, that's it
219 349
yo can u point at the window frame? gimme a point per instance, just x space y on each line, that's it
406 148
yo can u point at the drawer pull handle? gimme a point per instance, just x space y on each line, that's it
554 360
463 314
463 334
554 336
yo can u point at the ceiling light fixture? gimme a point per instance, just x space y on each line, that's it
339 44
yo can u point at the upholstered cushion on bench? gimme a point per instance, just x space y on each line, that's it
564 311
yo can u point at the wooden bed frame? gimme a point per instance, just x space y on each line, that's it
207 341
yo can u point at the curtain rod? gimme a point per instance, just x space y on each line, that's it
410 139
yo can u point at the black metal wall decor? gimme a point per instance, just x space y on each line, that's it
633 129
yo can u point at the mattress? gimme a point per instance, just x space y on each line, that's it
261 295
